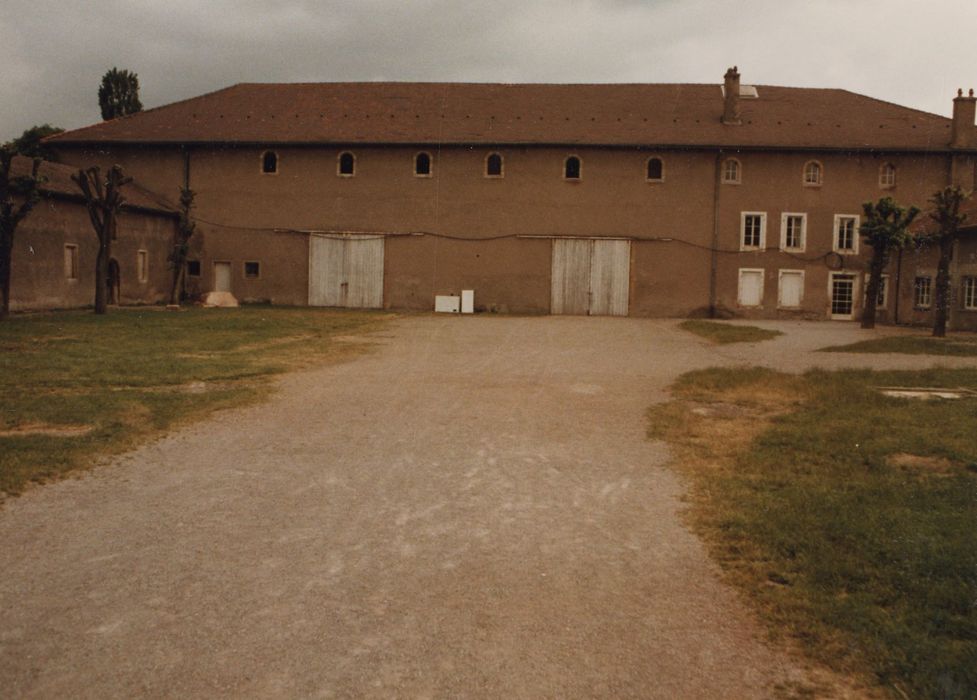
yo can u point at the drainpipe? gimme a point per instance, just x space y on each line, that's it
898 288
714 255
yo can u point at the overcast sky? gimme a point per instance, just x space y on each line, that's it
54 53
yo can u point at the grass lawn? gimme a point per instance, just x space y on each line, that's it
956 344
75 387
848 517
723 333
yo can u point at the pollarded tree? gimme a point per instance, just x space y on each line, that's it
184 230
118 95
18 195
103 200
885 228
946 213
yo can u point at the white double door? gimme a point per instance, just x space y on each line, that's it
346 271
591 277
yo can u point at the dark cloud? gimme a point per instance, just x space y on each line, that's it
54 54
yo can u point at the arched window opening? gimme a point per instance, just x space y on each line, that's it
656 169
493 165
887 175
422 164
812 173
269 162
571 168
347 163
731 171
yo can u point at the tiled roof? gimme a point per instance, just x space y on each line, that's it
480 113
58 183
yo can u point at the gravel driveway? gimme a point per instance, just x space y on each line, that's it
471 510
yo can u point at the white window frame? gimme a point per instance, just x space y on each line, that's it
430 164
661 161
783 231
579 177
763 230
339 164
820 180
501 174
142 266
836 235
969 293
739 286
886 169
780 289
854 295
929 292
884 289
739 172
71 262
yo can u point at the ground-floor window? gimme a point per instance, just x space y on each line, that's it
252 270
922 292
71 261
193 268
750 287
970 293
842 295
790 292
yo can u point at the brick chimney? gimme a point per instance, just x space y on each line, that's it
731 108
963 131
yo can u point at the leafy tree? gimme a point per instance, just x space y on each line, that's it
946 213
103 200
118 95
884 229
184 230
29 144
18 195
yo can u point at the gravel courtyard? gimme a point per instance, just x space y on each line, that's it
471 509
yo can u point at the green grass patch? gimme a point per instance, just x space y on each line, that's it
723 333
847 516
75 387
958 345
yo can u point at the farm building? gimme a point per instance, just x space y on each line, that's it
53 259
627 199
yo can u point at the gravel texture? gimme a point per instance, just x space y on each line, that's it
470 510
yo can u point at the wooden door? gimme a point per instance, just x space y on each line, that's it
346 271
590 277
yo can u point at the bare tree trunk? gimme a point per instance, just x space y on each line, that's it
177 284
872 292
102 275
943 287
6 264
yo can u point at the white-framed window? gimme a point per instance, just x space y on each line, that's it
572 168
790 289
753 230
793 231
842 295
731 171
346 164
494 165
423 164
269 163
845 234
970 293
813 174
142 265
750 288
655 170
923 292
882 300
70 261
887 176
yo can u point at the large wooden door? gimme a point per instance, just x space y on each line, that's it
346 271
590 277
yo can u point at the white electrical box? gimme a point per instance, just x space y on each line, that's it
468 301
445 304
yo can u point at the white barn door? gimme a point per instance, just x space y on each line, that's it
590 277
346 272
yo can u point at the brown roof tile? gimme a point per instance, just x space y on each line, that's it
481 113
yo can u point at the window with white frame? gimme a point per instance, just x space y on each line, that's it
846 234
750 288
812 173
882 299
922 292
71 261
142 265
970 293
887 176
793 231
790 289
731 171
753 230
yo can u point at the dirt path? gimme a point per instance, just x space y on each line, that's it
471 511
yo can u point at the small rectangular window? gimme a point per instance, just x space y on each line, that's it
922 292
846 234
142 265
193 268
71 261
883 297
750 291
792 232
970 293
252 270
753 228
